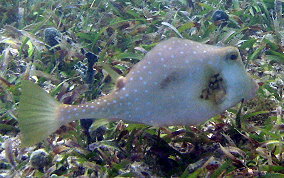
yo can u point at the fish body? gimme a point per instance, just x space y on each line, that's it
179 82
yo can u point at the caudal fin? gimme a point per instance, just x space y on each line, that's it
38 114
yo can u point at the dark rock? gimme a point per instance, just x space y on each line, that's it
40 159
220 15
52 36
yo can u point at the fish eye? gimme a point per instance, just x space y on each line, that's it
233 56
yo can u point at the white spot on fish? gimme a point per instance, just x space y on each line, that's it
98 103
164 65
123 88
135 90
204 51
114 101
131 78
181 52
170 48
149 72
146 91
185 44
194 52
145 83
92 107
149 62
74 109
83 110
144 67
126 95
159 53
162 59
140 78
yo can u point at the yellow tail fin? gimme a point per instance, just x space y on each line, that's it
38 114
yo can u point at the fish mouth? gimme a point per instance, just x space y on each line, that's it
215 90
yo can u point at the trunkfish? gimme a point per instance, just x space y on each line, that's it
179 82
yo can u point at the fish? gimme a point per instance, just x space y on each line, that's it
178 82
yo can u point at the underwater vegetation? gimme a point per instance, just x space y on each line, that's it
79 51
